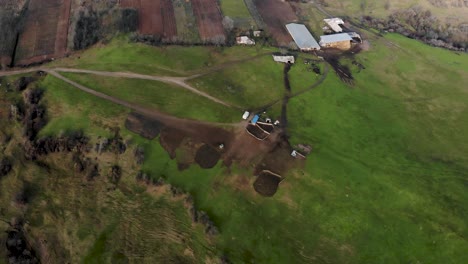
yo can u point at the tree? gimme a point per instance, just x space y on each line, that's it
228 23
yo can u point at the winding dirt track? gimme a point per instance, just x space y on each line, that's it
187 124
180 81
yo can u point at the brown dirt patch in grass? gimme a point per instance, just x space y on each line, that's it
142 125
207 156
170 140
267 183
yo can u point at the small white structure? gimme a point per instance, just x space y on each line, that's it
245 115
283 58
334 24
244 40
257 33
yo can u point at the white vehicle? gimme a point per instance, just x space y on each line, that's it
245 115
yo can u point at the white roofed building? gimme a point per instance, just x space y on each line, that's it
334 24
302 37
244 40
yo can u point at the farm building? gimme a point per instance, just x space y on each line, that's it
244 40
257 33
301 35
340 41
283 58
334 24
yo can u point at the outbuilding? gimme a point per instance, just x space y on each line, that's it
335 24
340 41
302 37
244 40
284 58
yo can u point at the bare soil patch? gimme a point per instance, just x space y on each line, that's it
45 31
276 14
156 17
266 127
257 132
144 126
209 19
267 183
207 156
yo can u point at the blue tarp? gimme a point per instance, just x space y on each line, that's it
255 119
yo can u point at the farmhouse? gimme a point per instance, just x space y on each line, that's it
301 35
340 41
283 58
334 24
244 40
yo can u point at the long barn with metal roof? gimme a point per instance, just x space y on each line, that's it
301 35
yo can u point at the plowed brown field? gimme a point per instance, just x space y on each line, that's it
156 17
45 31
276 14
209 20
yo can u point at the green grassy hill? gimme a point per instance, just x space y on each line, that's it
385 182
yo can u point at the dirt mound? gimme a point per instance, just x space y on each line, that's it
143 125
207 156
267 183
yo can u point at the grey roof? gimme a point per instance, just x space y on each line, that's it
327 39
302 36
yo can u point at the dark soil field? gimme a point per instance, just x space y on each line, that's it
276 14
266 127
45 31
208 14
267 183
207 156
257 132
142 125
156 17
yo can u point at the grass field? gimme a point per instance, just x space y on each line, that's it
92 221
239 13
378 8
90 114
250 84
234 9
167 98
385 182
122 55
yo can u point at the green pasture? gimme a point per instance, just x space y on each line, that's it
384 184
122 55
164 97
251 84
234 9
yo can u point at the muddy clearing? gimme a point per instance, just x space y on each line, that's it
207 156
267 183
146 127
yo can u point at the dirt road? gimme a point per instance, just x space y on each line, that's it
179 81
179 123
